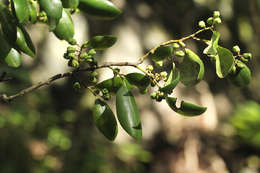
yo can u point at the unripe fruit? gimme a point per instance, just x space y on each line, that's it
202 24
217 21
247 55
74 63
242 77
92 52
149 68
236 49
153 95
216 14
210 20
175 46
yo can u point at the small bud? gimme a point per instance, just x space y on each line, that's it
94 80
149 68
71 55
107 96
216 14
247 56
104 91
76 86
159 63
85 44
73 42
164 74
71 49
180 53
210 20
153 95
175 46
236 49
74 63
92 52
94 74
217 21
202 24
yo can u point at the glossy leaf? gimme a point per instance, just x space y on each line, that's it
65 27
140 80
102 42
127 112
53 9
191 69
186 108
4 46
8 23
21 8
224 62
112 84
105 119
14 58
172 81
242 77
70 3
213 44
24 42
162 52
101 9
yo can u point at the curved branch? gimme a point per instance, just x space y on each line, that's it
5 98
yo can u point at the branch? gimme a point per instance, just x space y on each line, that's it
7 99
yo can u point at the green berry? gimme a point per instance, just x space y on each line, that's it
74 63
94 74
180 53
247 56
149 68
71 49
175 46
104 91
236 49
164 74
71 55
153 95
77 86
210 20
92 52
202 24
216 14
217 21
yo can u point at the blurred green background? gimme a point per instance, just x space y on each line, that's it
52 130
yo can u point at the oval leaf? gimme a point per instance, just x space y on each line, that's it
105 120
112 84
8 23
70 3
127 112
65 27
242 77
14 58
224 62
213 44
172 81
21 8
191 69
53 9
162 52
140 80
102 42
186 109
101 9
24 42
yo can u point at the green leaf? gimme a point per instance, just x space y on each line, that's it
102 42
14 58
242 77
21 8
186 108
65 27
213 44
127 112
70 3
100 9
4 46
53 9
24 42
191 69
8 23
140 80
112 84
224 62
162 52
172 81
105 119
